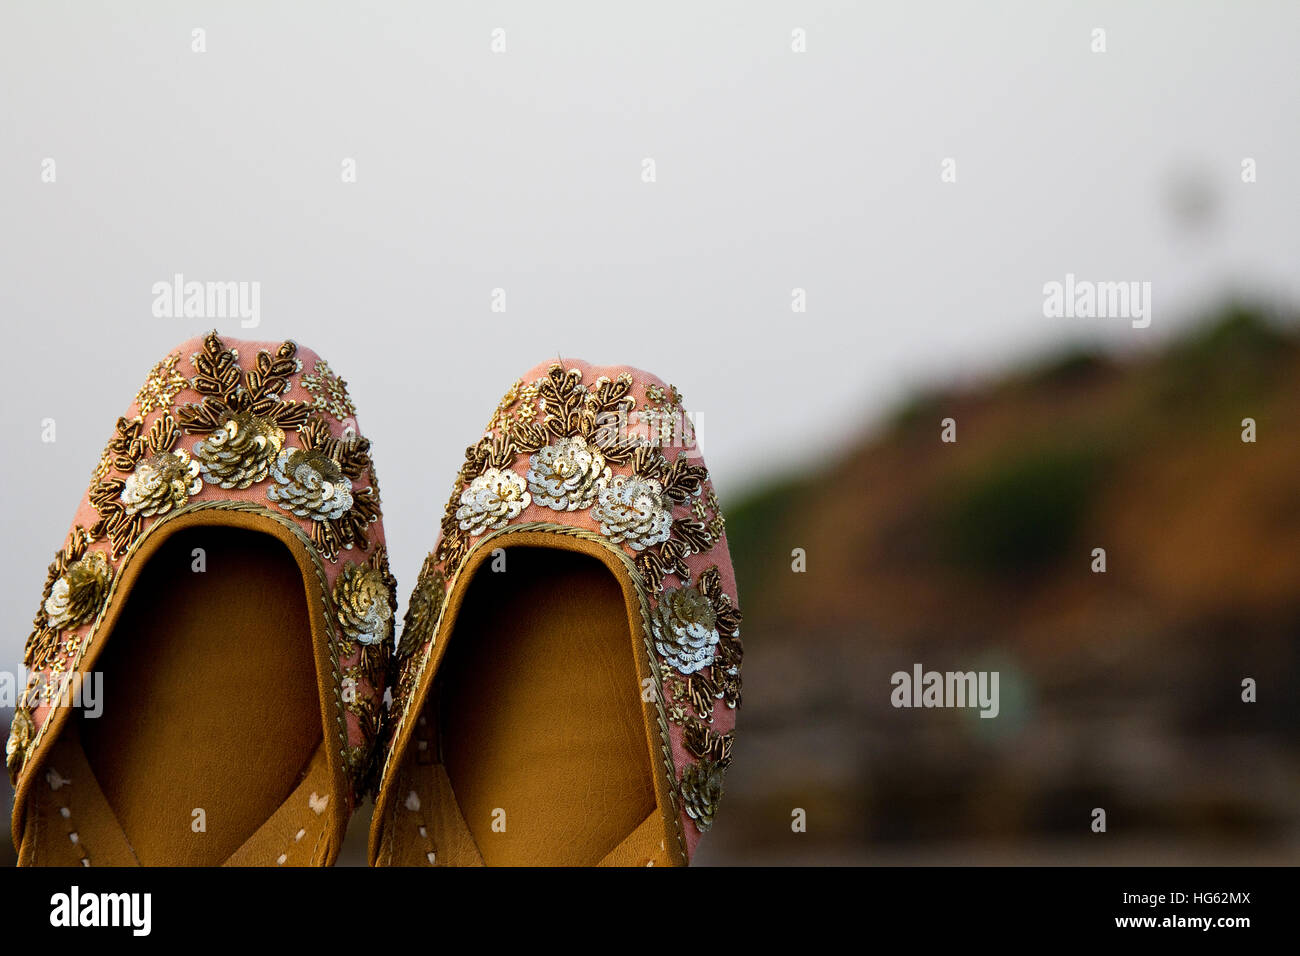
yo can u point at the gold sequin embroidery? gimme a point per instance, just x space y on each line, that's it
158 477
329 392
161 386
701 791
21 732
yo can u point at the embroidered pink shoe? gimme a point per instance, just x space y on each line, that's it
228 551
570 660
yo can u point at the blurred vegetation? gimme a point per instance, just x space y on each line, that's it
1075 364
1237 357
750 523
1020 512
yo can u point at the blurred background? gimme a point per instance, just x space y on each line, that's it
918 173
1120 690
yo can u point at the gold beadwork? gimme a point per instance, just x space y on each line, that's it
17 747
701 692
422 609
726 671
158 479
702 743
329 392
526 414
161 387
42 642
357 759
116 449
325 490
227 389
315 481
500 421
701 790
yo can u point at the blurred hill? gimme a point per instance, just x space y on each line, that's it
1120 690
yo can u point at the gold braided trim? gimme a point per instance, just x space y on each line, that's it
643 600
247 507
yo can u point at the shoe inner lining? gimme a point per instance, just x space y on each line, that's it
209 696
540 712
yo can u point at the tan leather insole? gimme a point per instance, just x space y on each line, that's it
540 712
210 698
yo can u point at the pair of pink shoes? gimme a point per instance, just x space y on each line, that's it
565 683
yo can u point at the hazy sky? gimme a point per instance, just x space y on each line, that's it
523 170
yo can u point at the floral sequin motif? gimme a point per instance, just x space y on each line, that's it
492 500
365 598
250 421
21 732
635 511
422 609
316 482
329 392
364 609
567 475
241 452
159 477
79 592
701 791
42 645
160 483
685 630
310 484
